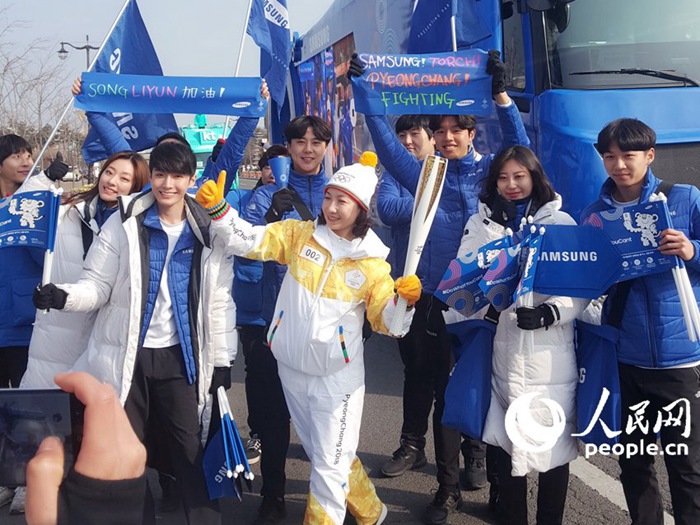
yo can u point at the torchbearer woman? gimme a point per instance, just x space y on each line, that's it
517 187
336 272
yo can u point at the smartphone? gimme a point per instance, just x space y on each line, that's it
29 416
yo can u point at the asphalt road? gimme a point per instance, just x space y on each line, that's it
594 497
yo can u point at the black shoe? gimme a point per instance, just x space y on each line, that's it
271 511
406 457
253 449
168 486
446 500
473 477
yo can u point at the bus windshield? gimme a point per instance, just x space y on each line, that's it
611 44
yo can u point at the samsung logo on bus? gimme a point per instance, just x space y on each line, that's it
569 256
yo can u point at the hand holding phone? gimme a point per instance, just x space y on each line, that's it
110 449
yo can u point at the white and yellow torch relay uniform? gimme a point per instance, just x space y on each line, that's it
316 337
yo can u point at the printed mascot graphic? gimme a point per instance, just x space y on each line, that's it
29 210
645 225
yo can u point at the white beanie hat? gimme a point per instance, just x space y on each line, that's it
358 180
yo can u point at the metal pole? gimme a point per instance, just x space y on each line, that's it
240 55
37 162
453 26
87 50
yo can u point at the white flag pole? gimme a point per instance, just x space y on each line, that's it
37 162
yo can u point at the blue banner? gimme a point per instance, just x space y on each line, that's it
150 94
445 83
129 50
269 27
219 485
29 219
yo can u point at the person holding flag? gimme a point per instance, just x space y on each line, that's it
336 274
164 335
454 136
658 363
516 188
20 271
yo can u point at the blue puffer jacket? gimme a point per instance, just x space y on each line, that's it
652 331
460 194
179 269
258 302
20 272
231 155
395 208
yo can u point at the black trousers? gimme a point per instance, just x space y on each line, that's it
159 386
512 490
661 387
427 363
269 416
13 365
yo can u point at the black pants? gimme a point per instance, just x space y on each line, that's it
512 502
268 409
427 363
13 365
159 386
249 335
661 387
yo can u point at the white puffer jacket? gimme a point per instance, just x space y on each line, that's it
58 338
547 368
112 283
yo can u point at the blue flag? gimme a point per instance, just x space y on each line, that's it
158 94
29 219
269 27
443 83
501 279
459 288
129 50
431 27
215 468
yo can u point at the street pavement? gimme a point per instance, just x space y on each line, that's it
594 497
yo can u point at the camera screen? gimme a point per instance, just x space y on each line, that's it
26 418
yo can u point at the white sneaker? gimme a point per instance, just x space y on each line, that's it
383 515
17 506
6 495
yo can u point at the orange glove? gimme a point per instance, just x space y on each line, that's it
408 288
211 197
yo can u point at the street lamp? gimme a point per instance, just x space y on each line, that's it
63 52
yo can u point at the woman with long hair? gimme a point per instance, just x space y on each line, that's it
516 188
59 338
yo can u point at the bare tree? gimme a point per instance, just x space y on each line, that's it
33 90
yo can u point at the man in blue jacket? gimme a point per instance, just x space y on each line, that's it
658 364
307 141
466 168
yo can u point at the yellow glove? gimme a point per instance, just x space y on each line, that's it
211 197
408 288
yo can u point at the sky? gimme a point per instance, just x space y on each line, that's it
195 38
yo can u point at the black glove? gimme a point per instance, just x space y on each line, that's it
434 321
503 211
282 202
49 296
356 67
532 318
217 149
221 377
497 69
57 170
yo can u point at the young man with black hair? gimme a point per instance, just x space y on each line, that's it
658 363
307 141
165 334
453 135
